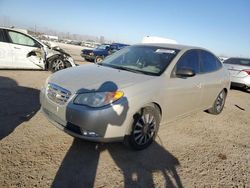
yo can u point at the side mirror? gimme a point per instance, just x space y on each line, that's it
36 52
32 53
56 48
185 72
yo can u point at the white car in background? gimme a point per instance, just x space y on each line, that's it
19 50
159 40
239 69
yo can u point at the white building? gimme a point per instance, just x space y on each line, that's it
51 37
153 39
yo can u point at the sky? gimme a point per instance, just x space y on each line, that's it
222 26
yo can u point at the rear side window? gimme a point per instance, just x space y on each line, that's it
190 60
209 62
18 38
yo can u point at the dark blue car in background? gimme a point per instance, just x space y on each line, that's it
99 53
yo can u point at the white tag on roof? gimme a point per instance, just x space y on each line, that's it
166 51
152 39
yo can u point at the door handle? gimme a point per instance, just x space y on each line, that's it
198 85
16 48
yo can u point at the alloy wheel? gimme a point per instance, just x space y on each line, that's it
220 101
58 64
145 129
98 59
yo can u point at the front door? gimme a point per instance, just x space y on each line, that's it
184 95
21 45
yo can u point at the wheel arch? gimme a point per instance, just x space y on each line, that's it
154 105
225 89
139 110
158 107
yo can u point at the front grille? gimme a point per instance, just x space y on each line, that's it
87 52
58 94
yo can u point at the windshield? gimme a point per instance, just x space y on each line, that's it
238 61
141 59
102 47
46 43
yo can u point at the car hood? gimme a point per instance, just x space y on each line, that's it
92 77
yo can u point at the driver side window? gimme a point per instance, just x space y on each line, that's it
21 39
190 60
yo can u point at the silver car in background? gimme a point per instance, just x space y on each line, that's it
239 69
134 91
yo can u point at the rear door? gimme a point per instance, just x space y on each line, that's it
184 94
5 51
212 76
21 45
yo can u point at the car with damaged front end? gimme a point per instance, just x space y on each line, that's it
19 50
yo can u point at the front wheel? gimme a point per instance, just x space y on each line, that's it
218 103
57 64
144 128
98 59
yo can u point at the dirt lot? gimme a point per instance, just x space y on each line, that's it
74 51
201 150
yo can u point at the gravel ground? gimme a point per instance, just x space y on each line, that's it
74 51
201 150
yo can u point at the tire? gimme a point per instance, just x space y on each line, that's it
98 59
57 64
67 64
218 103
144 128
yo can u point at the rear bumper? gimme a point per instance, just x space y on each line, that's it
241 82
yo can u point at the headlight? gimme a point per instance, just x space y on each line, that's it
98 99
91 53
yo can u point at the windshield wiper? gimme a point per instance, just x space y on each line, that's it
128 69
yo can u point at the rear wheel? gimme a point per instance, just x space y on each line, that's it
144 128
98 59
218 103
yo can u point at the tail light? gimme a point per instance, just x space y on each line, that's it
247 71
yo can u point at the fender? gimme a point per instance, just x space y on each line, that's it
63 56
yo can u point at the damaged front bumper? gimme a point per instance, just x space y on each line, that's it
99 125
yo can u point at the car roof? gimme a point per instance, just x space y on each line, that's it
17 30
4 27
13 29
172 46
